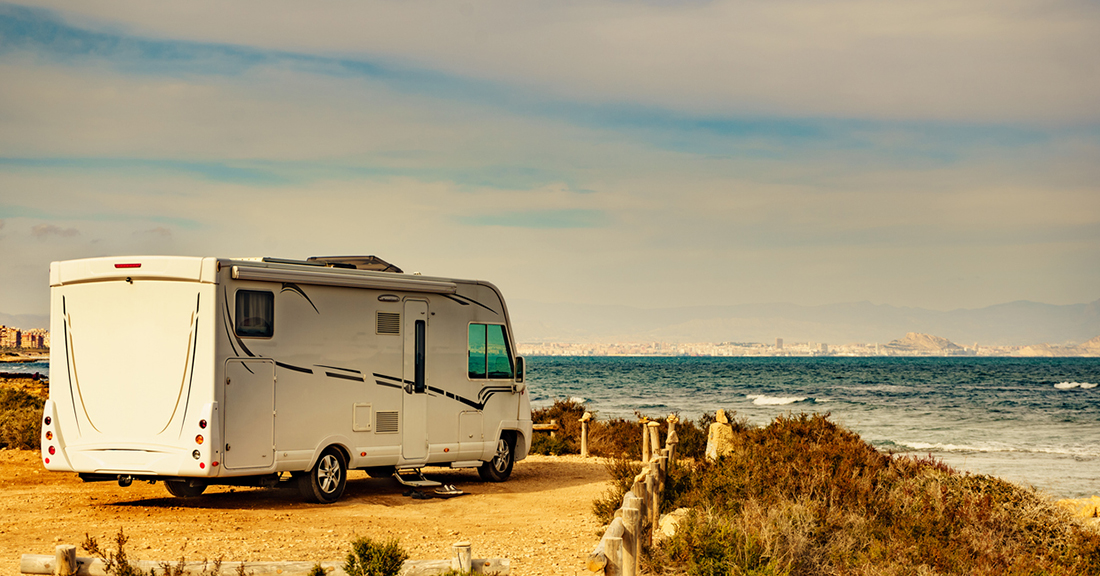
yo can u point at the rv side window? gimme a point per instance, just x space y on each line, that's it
489 356
477 351
499 359
255 316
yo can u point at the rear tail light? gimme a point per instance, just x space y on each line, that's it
49 435
52 451
131 265
199 439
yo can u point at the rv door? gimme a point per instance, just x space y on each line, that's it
414 430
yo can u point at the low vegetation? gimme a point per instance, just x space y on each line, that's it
804 496
371 558
612 438
20 419
366 558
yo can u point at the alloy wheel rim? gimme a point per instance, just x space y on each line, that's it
500 463
328 474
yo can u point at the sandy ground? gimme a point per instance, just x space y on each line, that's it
540 519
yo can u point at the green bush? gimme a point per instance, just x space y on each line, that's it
543 443
20 419
370 558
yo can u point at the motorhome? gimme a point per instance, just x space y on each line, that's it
199 371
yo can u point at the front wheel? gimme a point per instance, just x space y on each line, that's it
500 467
184 488
325 482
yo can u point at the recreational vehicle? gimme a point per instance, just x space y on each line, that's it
251 371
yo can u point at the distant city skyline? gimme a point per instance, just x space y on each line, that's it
931 155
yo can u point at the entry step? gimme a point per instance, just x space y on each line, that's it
415 478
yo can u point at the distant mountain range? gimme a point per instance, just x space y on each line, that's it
1014 323
25 321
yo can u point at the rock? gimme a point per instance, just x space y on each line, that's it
1082 507
666 526
719 439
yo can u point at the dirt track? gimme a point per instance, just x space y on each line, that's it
540 519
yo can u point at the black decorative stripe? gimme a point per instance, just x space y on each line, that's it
472 301
194 350
295 368
68 364
387 384
226 321
456 397
449 297
289 286
344 376
487 392
339 368
377 375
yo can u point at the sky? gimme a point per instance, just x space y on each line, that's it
934 154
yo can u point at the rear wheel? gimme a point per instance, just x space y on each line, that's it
184 488
500 467
325 482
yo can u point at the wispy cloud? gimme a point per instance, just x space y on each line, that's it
43 231
553 219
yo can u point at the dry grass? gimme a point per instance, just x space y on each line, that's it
20 419
804 496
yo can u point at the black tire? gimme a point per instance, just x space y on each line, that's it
380 471
326 481
500 467
184 488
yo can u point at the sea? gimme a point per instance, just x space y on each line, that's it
1032 421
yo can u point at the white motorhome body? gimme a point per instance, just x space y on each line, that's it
198 371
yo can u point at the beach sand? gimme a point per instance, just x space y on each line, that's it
540 519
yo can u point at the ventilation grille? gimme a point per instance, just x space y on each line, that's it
385 422
389 323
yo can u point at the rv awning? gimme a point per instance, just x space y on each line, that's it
349 279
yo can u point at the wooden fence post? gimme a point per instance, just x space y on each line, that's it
584 434
673 439
654 439
64 563
553 431
645 441
632 525
613 549
463 557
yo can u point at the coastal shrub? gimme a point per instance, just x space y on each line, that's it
550 446
371 558
117 562
20 419
622 472
804 496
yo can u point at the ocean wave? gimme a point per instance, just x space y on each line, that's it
762 400
1072 385
578 399
996 447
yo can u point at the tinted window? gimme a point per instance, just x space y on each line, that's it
489 355
499 360
255 315
477 351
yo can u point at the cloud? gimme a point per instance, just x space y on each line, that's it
999 60
555 219
158 232
43 231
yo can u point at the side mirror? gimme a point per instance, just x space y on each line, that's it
520 386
